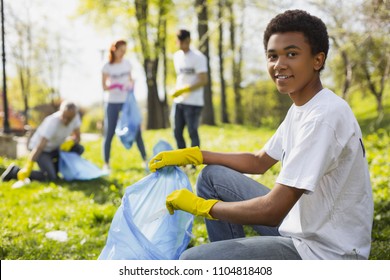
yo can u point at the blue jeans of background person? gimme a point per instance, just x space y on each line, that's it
228 240
48 164
187 115
110 122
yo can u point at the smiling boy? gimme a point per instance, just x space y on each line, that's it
320 206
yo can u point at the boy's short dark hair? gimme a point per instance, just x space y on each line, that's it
183 34
312 28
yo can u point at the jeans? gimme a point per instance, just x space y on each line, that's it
228 240
110 122
187 115
48 164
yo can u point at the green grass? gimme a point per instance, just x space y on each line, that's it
85 209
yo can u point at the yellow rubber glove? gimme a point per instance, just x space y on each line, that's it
181 91
25 172
67 145
187 201
179 157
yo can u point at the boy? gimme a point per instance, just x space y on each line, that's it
321 205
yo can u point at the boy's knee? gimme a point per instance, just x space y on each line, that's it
205 180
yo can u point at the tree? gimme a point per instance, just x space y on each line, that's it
224 111
377 14
362 44
37 60
150 26
340 32
202 14
52 62
22 56
237 58
152 49
377 71
374 66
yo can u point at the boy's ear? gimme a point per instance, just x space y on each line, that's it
319 60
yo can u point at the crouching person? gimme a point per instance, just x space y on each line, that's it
58 131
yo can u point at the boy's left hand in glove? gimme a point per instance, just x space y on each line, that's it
187 201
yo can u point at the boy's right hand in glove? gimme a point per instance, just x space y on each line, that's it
180 157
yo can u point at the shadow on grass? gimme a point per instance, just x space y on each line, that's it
102 190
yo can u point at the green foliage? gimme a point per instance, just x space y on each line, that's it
378 156
85 209
93 120
264 105
365 110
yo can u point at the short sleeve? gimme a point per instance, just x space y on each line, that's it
105 68
311 157
201 66
273 147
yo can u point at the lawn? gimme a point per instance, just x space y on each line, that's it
84 210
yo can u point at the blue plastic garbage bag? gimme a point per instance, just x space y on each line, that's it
73 167
142 228
161 145
129 121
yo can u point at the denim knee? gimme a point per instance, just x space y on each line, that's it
204 185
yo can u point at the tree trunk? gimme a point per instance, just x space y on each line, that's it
156 118
379 104
161 52
151 53
24 89
377 93
224 111
236 63
163 40
347 73
208 110
347 68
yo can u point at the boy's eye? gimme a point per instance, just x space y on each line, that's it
271 57
292 54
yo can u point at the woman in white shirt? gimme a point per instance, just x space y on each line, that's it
117 82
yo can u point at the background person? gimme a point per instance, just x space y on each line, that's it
321 205
117 82
58 131
191 71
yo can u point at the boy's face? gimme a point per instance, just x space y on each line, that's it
292 66
184 45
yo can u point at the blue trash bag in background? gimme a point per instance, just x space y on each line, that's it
129 122
73 167
142 228
161 145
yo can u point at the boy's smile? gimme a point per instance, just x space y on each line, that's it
292 66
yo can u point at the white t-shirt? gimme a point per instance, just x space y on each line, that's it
54 131
320 147
119 73
187 66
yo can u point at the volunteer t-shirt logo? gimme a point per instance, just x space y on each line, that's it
120 75
363 149
283 156
187 70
